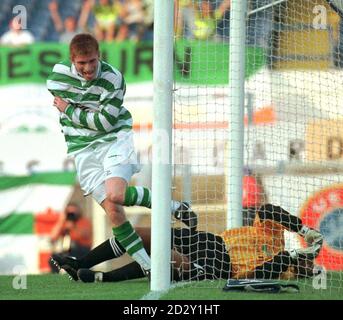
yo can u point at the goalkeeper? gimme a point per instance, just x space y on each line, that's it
248 252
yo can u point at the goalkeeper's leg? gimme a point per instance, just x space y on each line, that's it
107 250
110 249
127 272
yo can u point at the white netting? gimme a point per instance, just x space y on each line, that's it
293 143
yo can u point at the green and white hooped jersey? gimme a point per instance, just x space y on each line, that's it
95 113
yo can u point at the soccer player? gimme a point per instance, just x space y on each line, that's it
89 93
248 252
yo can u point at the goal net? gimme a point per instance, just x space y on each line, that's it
293 142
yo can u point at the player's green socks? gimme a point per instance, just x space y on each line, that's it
137 196
133 244
141 196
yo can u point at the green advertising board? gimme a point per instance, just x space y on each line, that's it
196 62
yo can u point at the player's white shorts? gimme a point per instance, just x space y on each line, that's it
97 163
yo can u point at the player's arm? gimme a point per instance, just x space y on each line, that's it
290 222
280 215
104 120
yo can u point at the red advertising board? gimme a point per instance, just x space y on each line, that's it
323 211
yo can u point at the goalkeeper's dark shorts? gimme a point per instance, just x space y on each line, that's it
206 252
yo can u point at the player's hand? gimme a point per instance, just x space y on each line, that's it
60 104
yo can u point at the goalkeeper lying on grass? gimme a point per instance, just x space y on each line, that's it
248 252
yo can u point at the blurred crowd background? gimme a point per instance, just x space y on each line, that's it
120 20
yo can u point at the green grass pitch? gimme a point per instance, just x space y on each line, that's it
59 287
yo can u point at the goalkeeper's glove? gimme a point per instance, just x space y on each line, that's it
311 236
305 253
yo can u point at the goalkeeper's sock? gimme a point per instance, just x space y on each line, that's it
137 196
127 272
107 250
132 243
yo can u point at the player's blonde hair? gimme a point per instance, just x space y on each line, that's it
83 44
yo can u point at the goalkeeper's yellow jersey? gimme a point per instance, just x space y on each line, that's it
250 247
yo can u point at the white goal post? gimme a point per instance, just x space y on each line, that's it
161 150
236 121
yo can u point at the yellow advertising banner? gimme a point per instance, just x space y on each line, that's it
324 140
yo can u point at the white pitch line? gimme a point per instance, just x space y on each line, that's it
156 295
153 295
